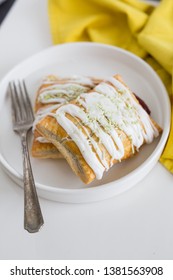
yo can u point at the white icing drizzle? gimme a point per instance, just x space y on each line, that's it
106 108
80 114
94 124
150 130
79 138
60 91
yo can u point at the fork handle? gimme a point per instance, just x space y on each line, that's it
33 219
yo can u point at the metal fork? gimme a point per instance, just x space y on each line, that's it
22 118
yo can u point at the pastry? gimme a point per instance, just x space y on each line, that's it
53 92
99 128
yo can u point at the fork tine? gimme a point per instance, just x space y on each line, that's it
21 105
23 100
18 101
29 108
16 111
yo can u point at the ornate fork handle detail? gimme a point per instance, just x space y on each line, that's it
33 219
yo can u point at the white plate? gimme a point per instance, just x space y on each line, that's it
54 178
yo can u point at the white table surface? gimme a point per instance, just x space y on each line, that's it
134 225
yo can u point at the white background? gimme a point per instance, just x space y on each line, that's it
135 225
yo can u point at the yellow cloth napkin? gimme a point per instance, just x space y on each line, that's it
130 24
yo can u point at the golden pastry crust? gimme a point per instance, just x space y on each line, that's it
44 150
57 135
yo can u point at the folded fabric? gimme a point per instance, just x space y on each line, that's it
130 24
